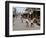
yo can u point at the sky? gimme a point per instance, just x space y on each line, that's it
20 9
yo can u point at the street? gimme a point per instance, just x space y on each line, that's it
18 25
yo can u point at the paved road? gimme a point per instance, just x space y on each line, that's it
18 25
